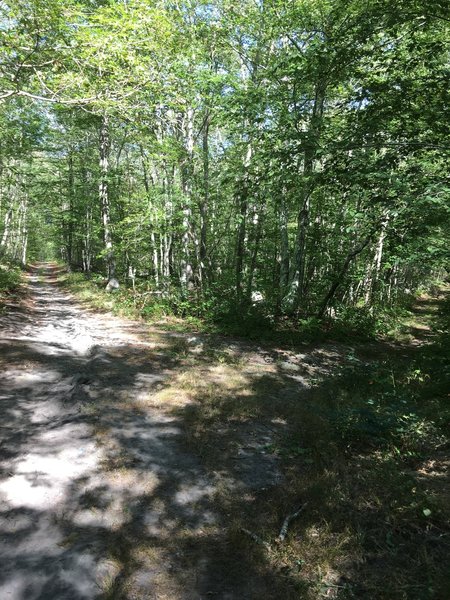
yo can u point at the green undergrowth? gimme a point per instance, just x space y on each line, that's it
91 290
221 315
365 447
10 278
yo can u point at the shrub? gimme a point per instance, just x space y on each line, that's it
9 278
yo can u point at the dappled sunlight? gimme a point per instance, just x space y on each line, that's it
223 254
97 486
135 465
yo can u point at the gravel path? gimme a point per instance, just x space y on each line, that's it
94 490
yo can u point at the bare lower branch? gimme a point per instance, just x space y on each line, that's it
23 93
7 94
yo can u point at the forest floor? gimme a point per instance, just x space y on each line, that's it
138 463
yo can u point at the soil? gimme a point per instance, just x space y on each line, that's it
79 487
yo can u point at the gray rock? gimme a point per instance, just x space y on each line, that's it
112 285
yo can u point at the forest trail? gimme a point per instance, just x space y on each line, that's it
100 495
112 484
75 500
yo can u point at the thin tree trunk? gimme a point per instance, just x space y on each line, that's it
104 148
203 271
253 260
6 230
24 243
152 229
379 250
375 266
167 259
187 272
337 282
17 230
86 252
242 227
70 190
296 288
284 245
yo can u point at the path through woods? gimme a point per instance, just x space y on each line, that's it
74 501
107 488
99 496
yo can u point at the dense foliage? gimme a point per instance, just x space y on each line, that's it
288 156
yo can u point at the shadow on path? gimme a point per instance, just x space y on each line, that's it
100 496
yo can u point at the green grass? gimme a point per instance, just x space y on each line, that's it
10 278
91 291
366 447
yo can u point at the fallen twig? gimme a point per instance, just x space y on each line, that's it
283 531
256 538
284 528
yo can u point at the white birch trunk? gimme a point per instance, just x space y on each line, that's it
104 148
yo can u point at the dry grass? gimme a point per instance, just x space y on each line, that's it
361 442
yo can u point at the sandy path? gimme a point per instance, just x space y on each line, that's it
91 499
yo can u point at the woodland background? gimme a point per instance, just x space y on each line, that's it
258 161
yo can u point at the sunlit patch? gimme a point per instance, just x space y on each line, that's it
188 494
40 479
24 378
21 490
82 343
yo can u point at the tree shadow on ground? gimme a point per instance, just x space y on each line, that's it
129 472
367 449
100 495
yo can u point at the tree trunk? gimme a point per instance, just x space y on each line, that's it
337 282
6 230
296 288
150 210
203 271
242 227
23 258
284 245
19 229
87 251
187 272
257 219
104 148
70 191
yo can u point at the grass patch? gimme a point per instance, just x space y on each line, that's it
10 279
222 316
91 291
367 448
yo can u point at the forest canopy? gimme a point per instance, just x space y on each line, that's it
284 157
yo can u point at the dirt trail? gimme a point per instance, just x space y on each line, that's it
81 490
113 484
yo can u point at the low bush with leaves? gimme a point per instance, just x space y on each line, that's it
10 277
